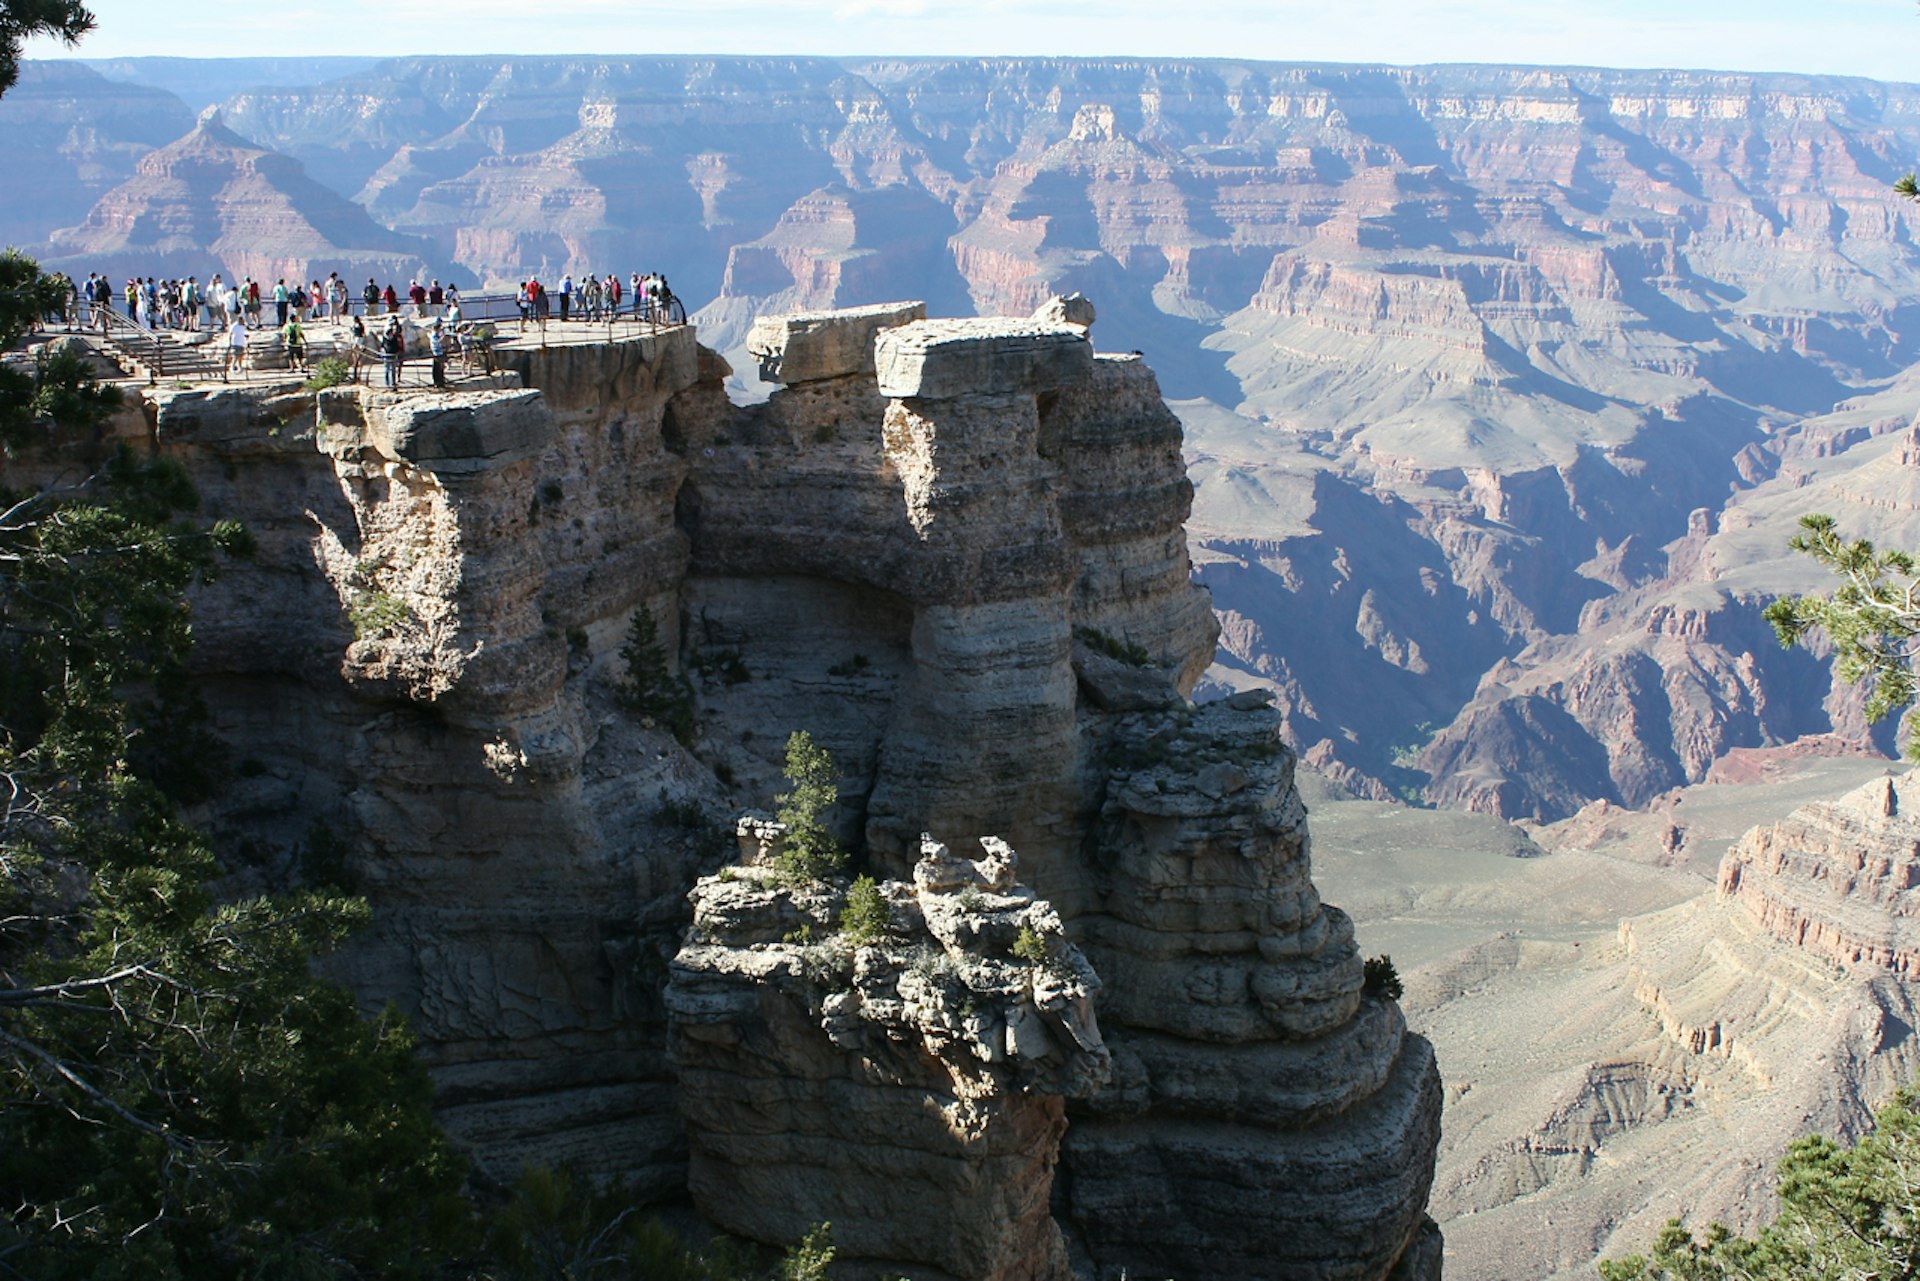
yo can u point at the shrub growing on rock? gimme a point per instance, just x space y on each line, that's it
1381 980
864 918
811 853
650 689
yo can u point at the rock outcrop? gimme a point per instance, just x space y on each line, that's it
953 552
1249 1063
906 1086
1838 880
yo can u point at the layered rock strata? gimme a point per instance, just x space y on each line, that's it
412 671
906 1086
1837 880
953 552
1249 1064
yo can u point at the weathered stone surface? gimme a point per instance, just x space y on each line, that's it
461 433
1066 309
811 346
1242 1037
906 1089
942 359
426 659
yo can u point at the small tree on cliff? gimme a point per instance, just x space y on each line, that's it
811 853
1872 619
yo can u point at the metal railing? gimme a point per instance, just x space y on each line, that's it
501 308
157 353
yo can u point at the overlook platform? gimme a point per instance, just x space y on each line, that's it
192 358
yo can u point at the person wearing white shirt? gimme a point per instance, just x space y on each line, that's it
236 349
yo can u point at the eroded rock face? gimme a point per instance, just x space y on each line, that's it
1838 879
981 603
1245 1051
905 1087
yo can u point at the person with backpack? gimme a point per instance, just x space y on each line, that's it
393 350
295 339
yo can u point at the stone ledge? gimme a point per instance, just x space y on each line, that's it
810 346
942 359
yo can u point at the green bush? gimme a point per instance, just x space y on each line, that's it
330 372
1380 979
377 613
1121 651
864 918
650 688
1028 946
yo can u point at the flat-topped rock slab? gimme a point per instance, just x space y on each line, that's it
986 356
809 346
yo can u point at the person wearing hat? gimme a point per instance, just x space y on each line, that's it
437 344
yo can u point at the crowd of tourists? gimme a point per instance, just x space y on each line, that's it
188 304
238 311
593 298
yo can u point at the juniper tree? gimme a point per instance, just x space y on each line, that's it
811 853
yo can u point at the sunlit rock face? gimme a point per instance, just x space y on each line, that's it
1461 350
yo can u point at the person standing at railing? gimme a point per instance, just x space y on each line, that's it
371 297
391 300
393 350
357 349
437 347
436 298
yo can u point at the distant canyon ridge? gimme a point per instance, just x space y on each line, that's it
1503 386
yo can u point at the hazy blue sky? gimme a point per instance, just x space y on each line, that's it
1878 38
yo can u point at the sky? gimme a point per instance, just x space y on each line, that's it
1876 38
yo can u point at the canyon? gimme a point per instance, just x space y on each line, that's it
1499 392
1463 352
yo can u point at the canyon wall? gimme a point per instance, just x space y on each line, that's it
1461 350
953 552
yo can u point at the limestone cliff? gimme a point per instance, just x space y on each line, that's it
953 551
